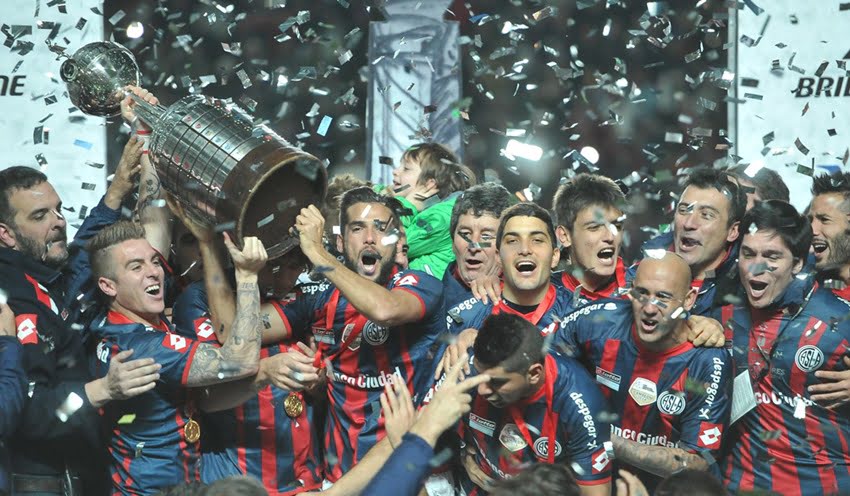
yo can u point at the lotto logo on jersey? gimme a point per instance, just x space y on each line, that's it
710 435
408 280
600 461
204 329
175 342
26 326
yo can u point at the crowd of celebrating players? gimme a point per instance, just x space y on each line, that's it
436 334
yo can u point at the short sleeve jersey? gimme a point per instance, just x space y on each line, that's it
581 439
680 398
148 448
363 355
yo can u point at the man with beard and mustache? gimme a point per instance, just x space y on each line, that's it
829 214
705 232
787 328
36 273
370 321
48 282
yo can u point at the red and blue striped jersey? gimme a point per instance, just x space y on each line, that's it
147 447
582 296
680 398
789 444
501 449
256 438
557 302
363 355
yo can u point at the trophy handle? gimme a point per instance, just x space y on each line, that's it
68 70
148 113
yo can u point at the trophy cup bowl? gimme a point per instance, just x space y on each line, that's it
96 76
230 173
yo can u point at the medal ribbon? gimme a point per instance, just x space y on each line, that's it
544 306
550 419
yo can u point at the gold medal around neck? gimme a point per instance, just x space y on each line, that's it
293 405
192 431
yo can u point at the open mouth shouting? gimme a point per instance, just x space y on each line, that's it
473 264
819 246
606 256
687 244
155 291
369 261
525 268
648 325
756 288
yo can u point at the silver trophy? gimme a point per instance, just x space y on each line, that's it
230 173
96 76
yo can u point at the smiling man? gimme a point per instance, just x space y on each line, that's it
829 214
159 448
705 230
589 215
788 329
671 400
527 252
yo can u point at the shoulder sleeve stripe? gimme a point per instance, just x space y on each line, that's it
421 301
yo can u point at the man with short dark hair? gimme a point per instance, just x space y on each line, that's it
474 223
671 400
829 214
369 320
760 184
705 232
787 328
47 282
536 408
589 215
526 245
159 447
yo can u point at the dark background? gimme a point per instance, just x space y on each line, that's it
620 89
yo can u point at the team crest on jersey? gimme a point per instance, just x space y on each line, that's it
511 438
671 403
643 391
809 358
27 332
541 447
610 306
375 334
354 345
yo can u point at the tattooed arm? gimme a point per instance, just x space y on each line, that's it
239 356
658 460
153 214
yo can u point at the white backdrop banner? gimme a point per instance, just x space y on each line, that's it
791 107
40 127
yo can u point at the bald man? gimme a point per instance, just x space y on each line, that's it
671 400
